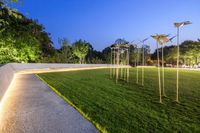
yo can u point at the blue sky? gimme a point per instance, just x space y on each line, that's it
101 22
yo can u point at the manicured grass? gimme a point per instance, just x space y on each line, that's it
131 108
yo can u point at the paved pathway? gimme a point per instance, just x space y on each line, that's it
31 106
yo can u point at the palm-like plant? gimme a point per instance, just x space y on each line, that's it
80 49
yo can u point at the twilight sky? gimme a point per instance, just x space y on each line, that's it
101 22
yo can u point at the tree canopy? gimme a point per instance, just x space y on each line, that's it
80 49
25 40
22 39
189 53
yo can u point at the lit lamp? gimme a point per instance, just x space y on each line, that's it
178 25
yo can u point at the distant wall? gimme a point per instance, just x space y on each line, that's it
7 71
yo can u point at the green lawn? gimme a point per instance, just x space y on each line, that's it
131 108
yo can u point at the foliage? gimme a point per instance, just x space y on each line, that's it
22 39
129 107
189 53
8 1
25 40
66 52
121 41
80 49
7 50
133 52
106 55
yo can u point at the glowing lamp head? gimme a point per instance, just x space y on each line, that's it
157 38
178 25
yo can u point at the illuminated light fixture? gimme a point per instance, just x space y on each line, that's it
178 25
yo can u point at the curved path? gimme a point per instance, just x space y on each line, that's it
32 107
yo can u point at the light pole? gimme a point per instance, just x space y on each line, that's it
121 63
143 59
117 70
114 62
158 41
138 57
137 62
136 52
163 73
178 25
165 40
128 62
111 62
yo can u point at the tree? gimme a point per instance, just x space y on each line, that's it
23 39
106 55
8 1
193 53
133 55
65 51
80 49
121 41
7 51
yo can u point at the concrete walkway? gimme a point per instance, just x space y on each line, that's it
30 106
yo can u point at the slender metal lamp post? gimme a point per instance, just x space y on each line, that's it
117 69
128 62
178 25
143 59
165 40
111 62
157 38
137 65
136 61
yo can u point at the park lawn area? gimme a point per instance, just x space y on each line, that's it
129 107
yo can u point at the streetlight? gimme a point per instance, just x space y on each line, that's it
158 41
178 25
165 40
137 61
117 62
111 62
121 58
127 49
143 59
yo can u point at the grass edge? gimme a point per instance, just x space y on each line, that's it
96 124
